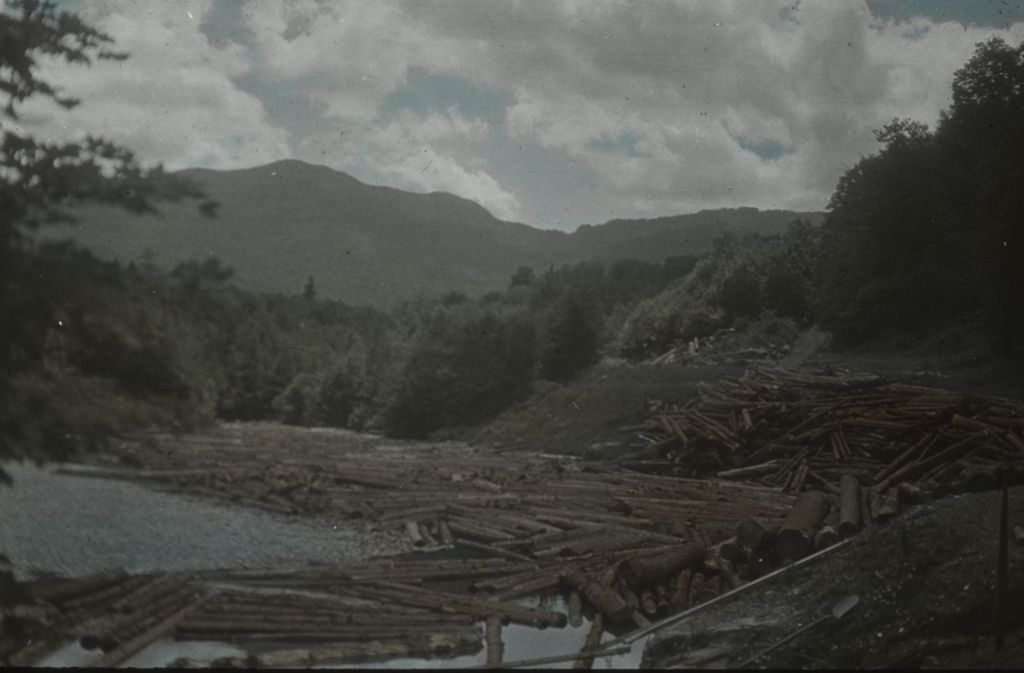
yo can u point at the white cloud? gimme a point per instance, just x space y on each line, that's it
687 80
172 101
421 152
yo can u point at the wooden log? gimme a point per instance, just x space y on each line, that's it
956 451
412 529
729 574
912 494
309 630
593 642
601 594
529 587
491 549
826 537
875 503
495 648
445 532
849 505
164 626
890 507
469 529
707 590
101 598
449 603
680 593
751 533
455 644
575 609
654 568
796 535
427 536
731 550
59 590
751 471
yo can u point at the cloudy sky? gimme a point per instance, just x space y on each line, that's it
549 112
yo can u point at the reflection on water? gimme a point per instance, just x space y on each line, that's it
158 655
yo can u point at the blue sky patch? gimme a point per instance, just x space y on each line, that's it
624 143
434 92
769 150
984 13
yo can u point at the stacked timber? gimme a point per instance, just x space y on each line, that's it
799 432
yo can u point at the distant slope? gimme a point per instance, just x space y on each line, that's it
692 234
281 223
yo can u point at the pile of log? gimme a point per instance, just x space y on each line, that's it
800 431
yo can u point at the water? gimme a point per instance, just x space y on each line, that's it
74 525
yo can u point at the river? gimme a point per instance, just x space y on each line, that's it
76 524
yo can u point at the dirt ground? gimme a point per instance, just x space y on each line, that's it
927 591
597 415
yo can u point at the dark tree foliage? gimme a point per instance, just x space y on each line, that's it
571 342
929 230
462 371
39 178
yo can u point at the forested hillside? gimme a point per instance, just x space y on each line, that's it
279 224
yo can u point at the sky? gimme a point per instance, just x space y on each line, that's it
554 113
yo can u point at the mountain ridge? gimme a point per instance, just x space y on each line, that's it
280 223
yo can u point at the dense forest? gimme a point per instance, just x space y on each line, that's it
925 234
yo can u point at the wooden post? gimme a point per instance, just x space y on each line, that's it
1002 569
495 648
585 663
575 609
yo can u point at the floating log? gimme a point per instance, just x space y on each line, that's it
796 535
752 470
59 590
495 648
455 644
654 568
586 660
414 596
168 621
529 587
849 505
601 594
